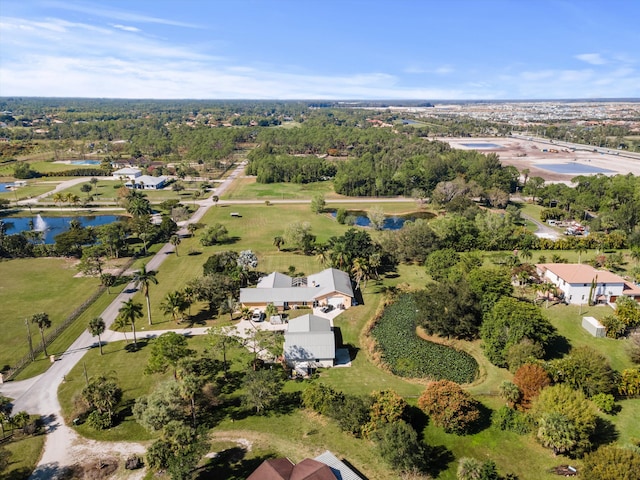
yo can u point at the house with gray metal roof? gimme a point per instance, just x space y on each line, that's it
328 287
309 342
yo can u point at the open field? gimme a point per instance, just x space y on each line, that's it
32 285
246 188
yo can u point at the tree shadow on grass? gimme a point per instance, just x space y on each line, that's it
231 464
558 347
133 347
606 433
438 459
483 422
417 418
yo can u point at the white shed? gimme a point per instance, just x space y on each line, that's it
594 327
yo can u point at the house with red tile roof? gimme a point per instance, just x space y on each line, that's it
575 281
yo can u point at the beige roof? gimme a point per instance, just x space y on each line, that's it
630 289
579 273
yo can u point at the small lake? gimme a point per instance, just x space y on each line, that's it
4 186
52 226
572 168
480 145
391 222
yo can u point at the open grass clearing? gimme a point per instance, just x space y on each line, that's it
33 285
246 188
568 321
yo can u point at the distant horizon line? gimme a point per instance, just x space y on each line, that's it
338 100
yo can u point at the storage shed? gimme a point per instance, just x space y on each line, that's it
594 327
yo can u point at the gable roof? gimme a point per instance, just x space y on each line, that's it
273 469
309 338
284 469
331 280
579 273
309 323
278 288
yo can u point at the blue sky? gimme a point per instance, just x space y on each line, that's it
329 49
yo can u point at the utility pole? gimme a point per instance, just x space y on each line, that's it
26 322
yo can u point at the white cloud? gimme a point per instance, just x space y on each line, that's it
126 28
444 70
117 14
592 58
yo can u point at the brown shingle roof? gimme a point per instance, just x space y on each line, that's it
284 469
273 469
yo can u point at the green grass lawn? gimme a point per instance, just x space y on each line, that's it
246 188
25 453
32 285
33 189
568 321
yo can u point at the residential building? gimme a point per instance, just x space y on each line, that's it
324 467
147 182
329 287
309 342
128 173
582 284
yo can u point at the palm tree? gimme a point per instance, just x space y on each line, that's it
175 241
97 328
278 241
526 254
557 432
174 304
42 320
215 199
108 280
189 294
59 198
510 392
635 254
129 312
191 228
229 305
580 249
360 271
143 278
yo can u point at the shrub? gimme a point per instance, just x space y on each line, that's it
99 420
411 356
584 369
351 414
615 327
449 407
629 383
399 446
506 418
523 352
530 379
321 398
386 407
611 463
605 402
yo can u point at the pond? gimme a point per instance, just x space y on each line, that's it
5 186
391 222
52 226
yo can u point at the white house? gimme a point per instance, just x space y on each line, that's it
309 342
130 173
147 182
575 281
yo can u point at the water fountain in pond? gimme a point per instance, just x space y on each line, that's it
40 225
